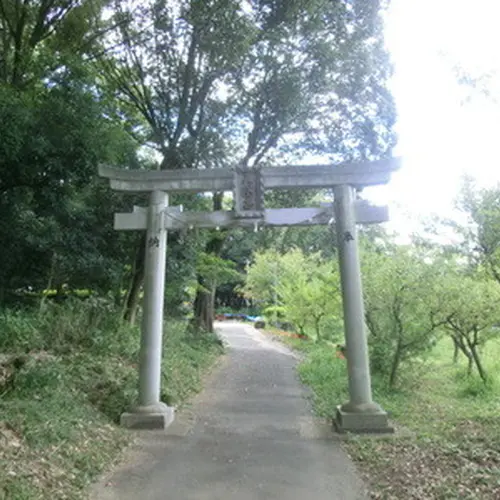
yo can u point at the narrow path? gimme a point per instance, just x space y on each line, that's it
249 435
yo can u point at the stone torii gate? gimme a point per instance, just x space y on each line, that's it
361 413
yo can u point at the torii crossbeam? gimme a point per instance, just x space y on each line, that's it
360 414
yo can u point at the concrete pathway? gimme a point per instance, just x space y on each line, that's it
249 435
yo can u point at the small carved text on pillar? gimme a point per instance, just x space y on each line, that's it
348 236
153 242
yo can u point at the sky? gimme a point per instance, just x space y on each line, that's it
445 129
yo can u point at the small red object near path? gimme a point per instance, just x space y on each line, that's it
341 351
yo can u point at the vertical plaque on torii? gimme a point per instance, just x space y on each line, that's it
248 193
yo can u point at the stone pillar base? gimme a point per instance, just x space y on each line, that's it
372 422
158 416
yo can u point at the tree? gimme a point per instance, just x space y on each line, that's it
304 288
470 315
268 270
480 228
312 300
56 128
216 83
240 244
402 306
52 141
215 271
476 81
39 37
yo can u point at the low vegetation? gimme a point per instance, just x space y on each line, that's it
447 443
66 374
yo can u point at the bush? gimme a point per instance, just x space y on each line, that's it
20 332
91 325
108 382
66 373
474 386
186 356
326 374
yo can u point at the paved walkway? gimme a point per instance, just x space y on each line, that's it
249 435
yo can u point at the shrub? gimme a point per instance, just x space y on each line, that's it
20 332
475 386
326 374
66 373
92 325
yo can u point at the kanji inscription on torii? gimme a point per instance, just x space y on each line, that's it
360 414
248 193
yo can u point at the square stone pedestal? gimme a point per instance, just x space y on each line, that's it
375 422
159 417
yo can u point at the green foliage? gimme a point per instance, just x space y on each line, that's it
90 324
268 270
216 271
275 312
470 314
303 289
475 387
326 374
66 374
413 295
311 299
447 427
54 228
480 231
39 38
401 306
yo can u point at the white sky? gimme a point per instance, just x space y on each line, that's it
441 134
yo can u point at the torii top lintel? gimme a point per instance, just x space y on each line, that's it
222 179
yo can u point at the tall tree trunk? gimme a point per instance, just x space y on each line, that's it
396 361
132 299
469 364
456 350
477 361
317 322
460 345
203 306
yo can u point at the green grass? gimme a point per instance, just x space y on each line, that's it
454 450
319 369
61 399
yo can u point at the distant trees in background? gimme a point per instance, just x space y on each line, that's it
300 289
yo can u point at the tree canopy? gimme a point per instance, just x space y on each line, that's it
172 84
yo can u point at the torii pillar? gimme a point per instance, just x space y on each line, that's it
150 412
358 415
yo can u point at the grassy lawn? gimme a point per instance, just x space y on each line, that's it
59 403
454 449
